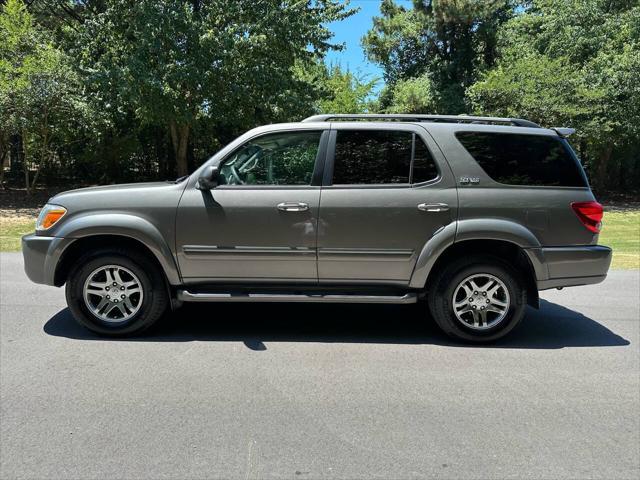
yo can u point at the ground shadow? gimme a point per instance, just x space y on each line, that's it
551 327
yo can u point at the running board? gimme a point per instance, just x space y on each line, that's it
186 296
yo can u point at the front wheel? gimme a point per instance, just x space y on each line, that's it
116 294
478 299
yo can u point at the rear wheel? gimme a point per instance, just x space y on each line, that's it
478 299
115 293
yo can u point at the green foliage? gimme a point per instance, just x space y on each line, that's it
177 62
119 90
571 63
535 87
41 96
576 64
445 43
414 95
344 92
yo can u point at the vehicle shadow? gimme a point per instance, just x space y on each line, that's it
551 327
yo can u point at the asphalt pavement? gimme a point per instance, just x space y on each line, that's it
320 391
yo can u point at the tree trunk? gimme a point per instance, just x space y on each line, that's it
35 177
180 142
33 182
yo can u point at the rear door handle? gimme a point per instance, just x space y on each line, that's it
293 207
433 207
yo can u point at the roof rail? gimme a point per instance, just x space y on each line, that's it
406 117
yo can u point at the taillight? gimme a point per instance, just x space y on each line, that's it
590 214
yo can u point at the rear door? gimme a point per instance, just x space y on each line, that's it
387 189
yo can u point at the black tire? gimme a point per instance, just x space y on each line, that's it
442 290
155 299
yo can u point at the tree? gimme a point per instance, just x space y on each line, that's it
342 91
178 62
572 64
414 95
441 44
40 95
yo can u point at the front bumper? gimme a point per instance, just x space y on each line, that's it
41 255
572 266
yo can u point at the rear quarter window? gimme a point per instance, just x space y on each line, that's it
519 159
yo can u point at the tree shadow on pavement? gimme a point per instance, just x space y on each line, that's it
551 327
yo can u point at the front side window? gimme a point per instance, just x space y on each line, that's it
284 158
520 159
364 157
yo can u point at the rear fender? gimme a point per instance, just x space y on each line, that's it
477 229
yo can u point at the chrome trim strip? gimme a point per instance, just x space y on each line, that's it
366 251
186 296
214 250
364 254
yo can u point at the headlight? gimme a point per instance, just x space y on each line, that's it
49 216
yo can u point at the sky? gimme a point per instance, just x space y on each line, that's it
350 31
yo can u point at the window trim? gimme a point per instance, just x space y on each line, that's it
327 179
433 159
318 167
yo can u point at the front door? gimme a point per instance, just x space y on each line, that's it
261 222
387 191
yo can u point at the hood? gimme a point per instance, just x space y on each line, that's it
129 195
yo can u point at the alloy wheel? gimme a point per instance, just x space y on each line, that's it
481 301
113 293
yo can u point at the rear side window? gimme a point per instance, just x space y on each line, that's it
364 157
516 159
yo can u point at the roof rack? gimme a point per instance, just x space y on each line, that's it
406 117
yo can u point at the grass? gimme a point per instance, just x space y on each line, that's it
621 232
11 229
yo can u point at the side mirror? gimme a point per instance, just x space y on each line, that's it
209 178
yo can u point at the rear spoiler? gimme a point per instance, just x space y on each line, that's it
563 131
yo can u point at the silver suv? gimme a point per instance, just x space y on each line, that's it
474 215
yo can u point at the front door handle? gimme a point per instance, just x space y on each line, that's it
433 207
293 207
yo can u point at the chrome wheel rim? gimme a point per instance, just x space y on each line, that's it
113 293
481 301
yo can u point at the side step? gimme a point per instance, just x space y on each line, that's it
186 296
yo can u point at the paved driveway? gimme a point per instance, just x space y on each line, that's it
320 391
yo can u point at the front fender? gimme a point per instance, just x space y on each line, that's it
126 225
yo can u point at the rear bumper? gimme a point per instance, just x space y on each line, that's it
572 266
41 255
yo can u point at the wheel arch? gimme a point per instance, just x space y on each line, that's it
502 238
115 230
